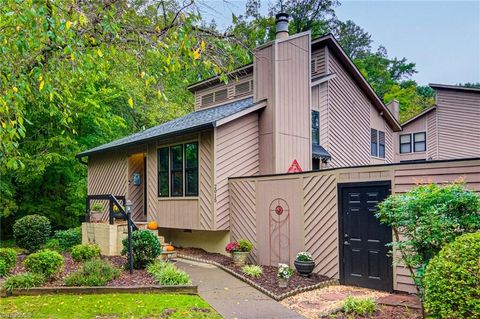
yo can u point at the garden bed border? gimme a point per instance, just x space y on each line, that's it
35 291
276 297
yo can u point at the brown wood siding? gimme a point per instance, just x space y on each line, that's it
136 192
458 124
231 92
236 154
419 125
152 181
432 135
206 180
318 194
320 103
243 217
319 65
292 103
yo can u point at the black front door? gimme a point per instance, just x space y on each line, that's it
364 257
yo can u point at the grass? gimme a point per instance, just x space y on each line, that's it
112 306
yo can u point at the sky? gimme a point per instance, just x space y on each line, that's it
441 37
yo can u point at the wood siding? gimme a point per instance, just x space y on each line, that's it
458 124
432 135
136 192
416 126
314 195
320 103
236 154
319 62
232 93
349 121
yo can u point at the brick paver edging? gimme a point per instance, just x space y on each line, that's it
184 289
257 286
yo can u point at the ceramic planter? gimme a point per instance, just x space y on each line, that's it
96 217
282 282
304 268
239 257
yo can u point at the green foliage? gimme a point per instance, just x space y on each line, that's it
45 262
145 248
84 252
31 232
252 270
359 306
304 256
25 280
68 238
167 274
428 217
95 272
52 244
452 280
245 245
8 258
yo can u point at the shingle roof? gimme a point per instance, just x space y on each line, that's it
191 122
319 152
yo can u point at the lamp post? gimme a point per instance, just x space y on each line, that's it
128 207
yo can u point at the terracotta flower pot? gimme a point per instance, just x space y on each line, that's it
282 282
304 268
239 257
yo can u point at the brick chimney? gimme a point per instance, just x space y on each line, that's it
281 24
394 107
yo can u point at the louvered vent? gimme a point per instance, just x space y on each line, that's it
221 95
314 65
207 99
242 88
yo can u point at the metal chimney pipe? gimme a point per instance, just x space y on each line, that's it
281 24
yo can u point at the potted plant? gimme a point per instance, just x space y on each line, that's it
239 251
304 263
96 212
284 273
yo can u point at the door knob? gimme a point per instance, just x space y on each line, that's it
346 243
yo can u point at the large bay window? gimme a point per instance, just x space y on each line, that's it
178 170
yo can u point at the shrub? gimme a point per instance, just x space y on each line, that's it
252 270
8 257
84 252
359 306
95 272
167 274
68 238
25 280
145 248
52 244
245 245
428 217
31 232
452 280
45 262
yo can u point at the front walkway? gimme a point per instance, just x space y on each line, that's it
231 297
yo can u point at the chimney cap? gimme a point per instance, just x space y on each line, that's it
282 16
281 23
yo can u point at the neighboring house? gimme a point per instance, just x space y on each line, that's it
449 129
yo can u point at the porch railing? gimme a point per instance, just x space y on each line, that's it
113 201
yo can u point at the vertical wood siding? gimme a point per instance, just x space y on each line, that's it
316 193
136 192
458 124
236 154
319 65
243 217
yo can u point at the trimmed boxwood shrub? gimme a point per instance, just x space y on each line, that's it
84 252
95 272
8 257
452 280
145 248
68 238
46 262
31 232
25 280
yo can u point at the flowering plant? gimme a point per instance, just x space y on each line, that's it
304 256
232 247
284 271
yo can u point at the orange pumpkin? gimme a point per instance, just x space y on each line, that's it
152 225
169 248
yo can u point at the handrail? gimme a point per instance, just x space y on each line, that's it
113 200
126 216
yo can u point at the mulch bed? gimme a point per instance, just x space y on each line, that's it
140 277
387 312
267 281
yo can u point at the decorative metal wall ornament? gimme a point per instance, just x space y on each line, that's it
279 229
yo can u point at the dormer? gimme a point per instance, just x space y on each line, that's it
213 92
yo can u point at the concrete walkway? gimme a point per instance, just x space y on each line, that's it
231 297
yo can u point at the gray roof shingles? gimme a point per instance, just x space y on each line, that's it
319 152
191 122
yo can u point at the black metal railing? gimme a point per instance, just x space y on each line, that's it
113 201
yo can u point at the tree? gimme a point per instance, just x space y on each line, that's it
475 85
355 41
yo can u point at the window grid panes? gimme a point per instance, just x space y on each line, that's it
381 144
315 127
419 142
163 170
191 169
405 143
176 171
373 142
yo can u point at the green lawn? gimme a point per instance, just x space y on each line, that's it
111 306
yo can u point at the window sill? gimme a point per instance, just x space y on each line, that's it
177 198
414 153
378 158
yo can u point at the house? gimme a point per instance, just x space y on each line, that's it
302 105
449 129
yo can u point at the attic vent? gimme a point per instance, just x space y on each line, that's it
207 99
221 95
242 88
314 64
